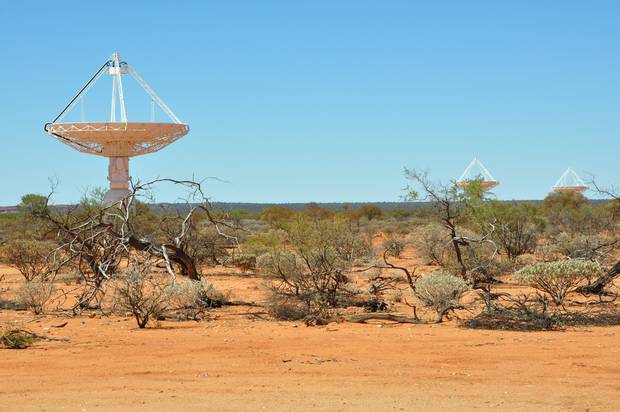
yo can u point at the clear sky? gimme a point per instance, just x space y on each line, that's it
296 101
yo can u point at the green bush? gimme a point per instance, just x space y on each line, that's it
261 243
558 278
13 338
440 291
277 215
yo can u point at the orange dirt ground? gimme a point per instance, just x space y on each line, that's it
240 362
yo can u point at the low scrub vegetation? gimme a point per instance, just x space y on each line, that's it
440 291
321 264
558 278
35 295
15 338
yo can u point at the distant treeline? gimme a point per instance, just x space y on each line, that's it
259 207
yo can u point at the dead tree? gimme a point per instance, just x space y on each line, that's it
599 286
98 238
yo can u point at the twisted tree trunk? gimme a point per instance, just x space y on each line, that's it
175 254
598 286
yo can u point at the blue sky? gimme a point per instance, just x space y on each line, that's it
292 101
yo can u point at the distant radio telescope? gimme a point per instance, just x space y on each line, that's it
476 171
569 182
117 139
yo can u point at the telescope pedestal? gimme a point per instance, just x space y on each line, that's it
118 175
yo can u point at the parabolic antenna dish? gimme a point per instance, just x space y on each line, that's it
477 172
117 139
114 139
570 182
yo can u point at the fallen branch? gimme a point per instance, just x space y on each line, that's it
383 316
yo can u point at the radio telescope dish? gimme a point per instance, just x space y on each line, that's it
569 182
476 171
114 139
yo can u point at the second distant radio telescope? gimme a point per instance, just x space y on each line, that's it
117 139
476 171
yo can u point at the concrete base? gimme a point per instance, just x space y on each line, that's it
115 195
118 176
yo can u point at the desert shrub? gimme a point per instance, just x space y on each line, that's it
558 278
311 265
480 259
440 291
380 286
277 215
283 308
29 257
145 297
246 262
522 313
14 338
69 277
206 245
370 212
525 259
261 243
193 298
598 247
403 228
397 295
400 214
313 211
432 243
238 216
394 247
517 227
516 238
571 213
34 295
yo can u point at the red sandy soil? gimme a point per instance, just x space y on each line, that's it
240 362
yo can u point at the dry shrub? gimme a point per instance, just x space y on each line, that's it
144 296
558 278
310 266
480 260
286 309
207 246
432 243
547 251
597 247
245 262
29 257
34 295
519 313
394 247
440 291
192 299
